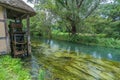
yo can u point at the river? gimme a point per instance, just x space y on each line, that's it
95 51
62 60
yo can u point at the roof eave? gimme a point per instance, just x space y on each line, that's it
31 13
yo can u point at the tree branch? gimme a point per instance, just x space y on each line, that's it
66 2
95 5
79 3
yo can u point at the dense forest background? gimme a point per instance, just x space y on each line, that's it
91 22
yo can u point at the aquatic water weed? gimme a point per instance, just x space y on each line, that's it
41 74
67 66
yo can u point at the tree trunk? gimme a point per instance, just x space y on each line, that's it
73 30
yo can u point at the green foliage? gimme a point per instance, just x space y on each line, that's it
42 23
115 30
110 10
87 39
41 74
62 14
11 69
73 12
97 24
109 42
56 18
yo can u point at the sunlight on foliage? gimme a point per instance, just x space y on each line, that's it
11 69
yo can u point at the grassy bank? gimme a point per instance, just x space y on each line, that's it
11 69
87 39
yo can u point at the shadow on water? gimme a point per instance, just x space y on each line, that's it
60 60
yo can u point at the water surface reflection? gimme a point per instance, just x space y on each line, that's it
95 51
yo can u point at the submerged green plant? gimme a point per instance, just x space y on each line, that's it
41 74
69 66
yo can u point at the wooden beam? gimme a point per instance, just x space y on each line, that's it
23 16
2 20
6 30
28 35
3 52
2 38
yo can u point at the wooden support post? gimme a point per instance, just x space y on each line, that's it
6 31
28 35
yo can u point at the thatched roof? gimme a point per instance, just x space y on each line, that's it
17 5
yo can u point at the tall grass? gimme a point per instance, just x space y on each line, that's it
11 69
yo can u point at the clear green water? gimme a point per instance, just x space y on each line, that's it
59 60
95 51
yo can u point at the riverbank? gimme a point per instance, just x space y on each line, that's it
87 39
12 69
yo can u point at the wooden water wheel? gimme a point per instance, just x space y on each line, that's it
18 39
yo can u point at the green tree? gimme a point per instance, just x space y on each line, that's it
73 12
43 22
110 10
109 18
70 13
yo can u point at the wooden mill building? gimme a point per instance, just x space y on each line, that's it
12 38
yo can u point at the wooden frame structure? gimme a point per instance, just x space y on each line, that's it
10 9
